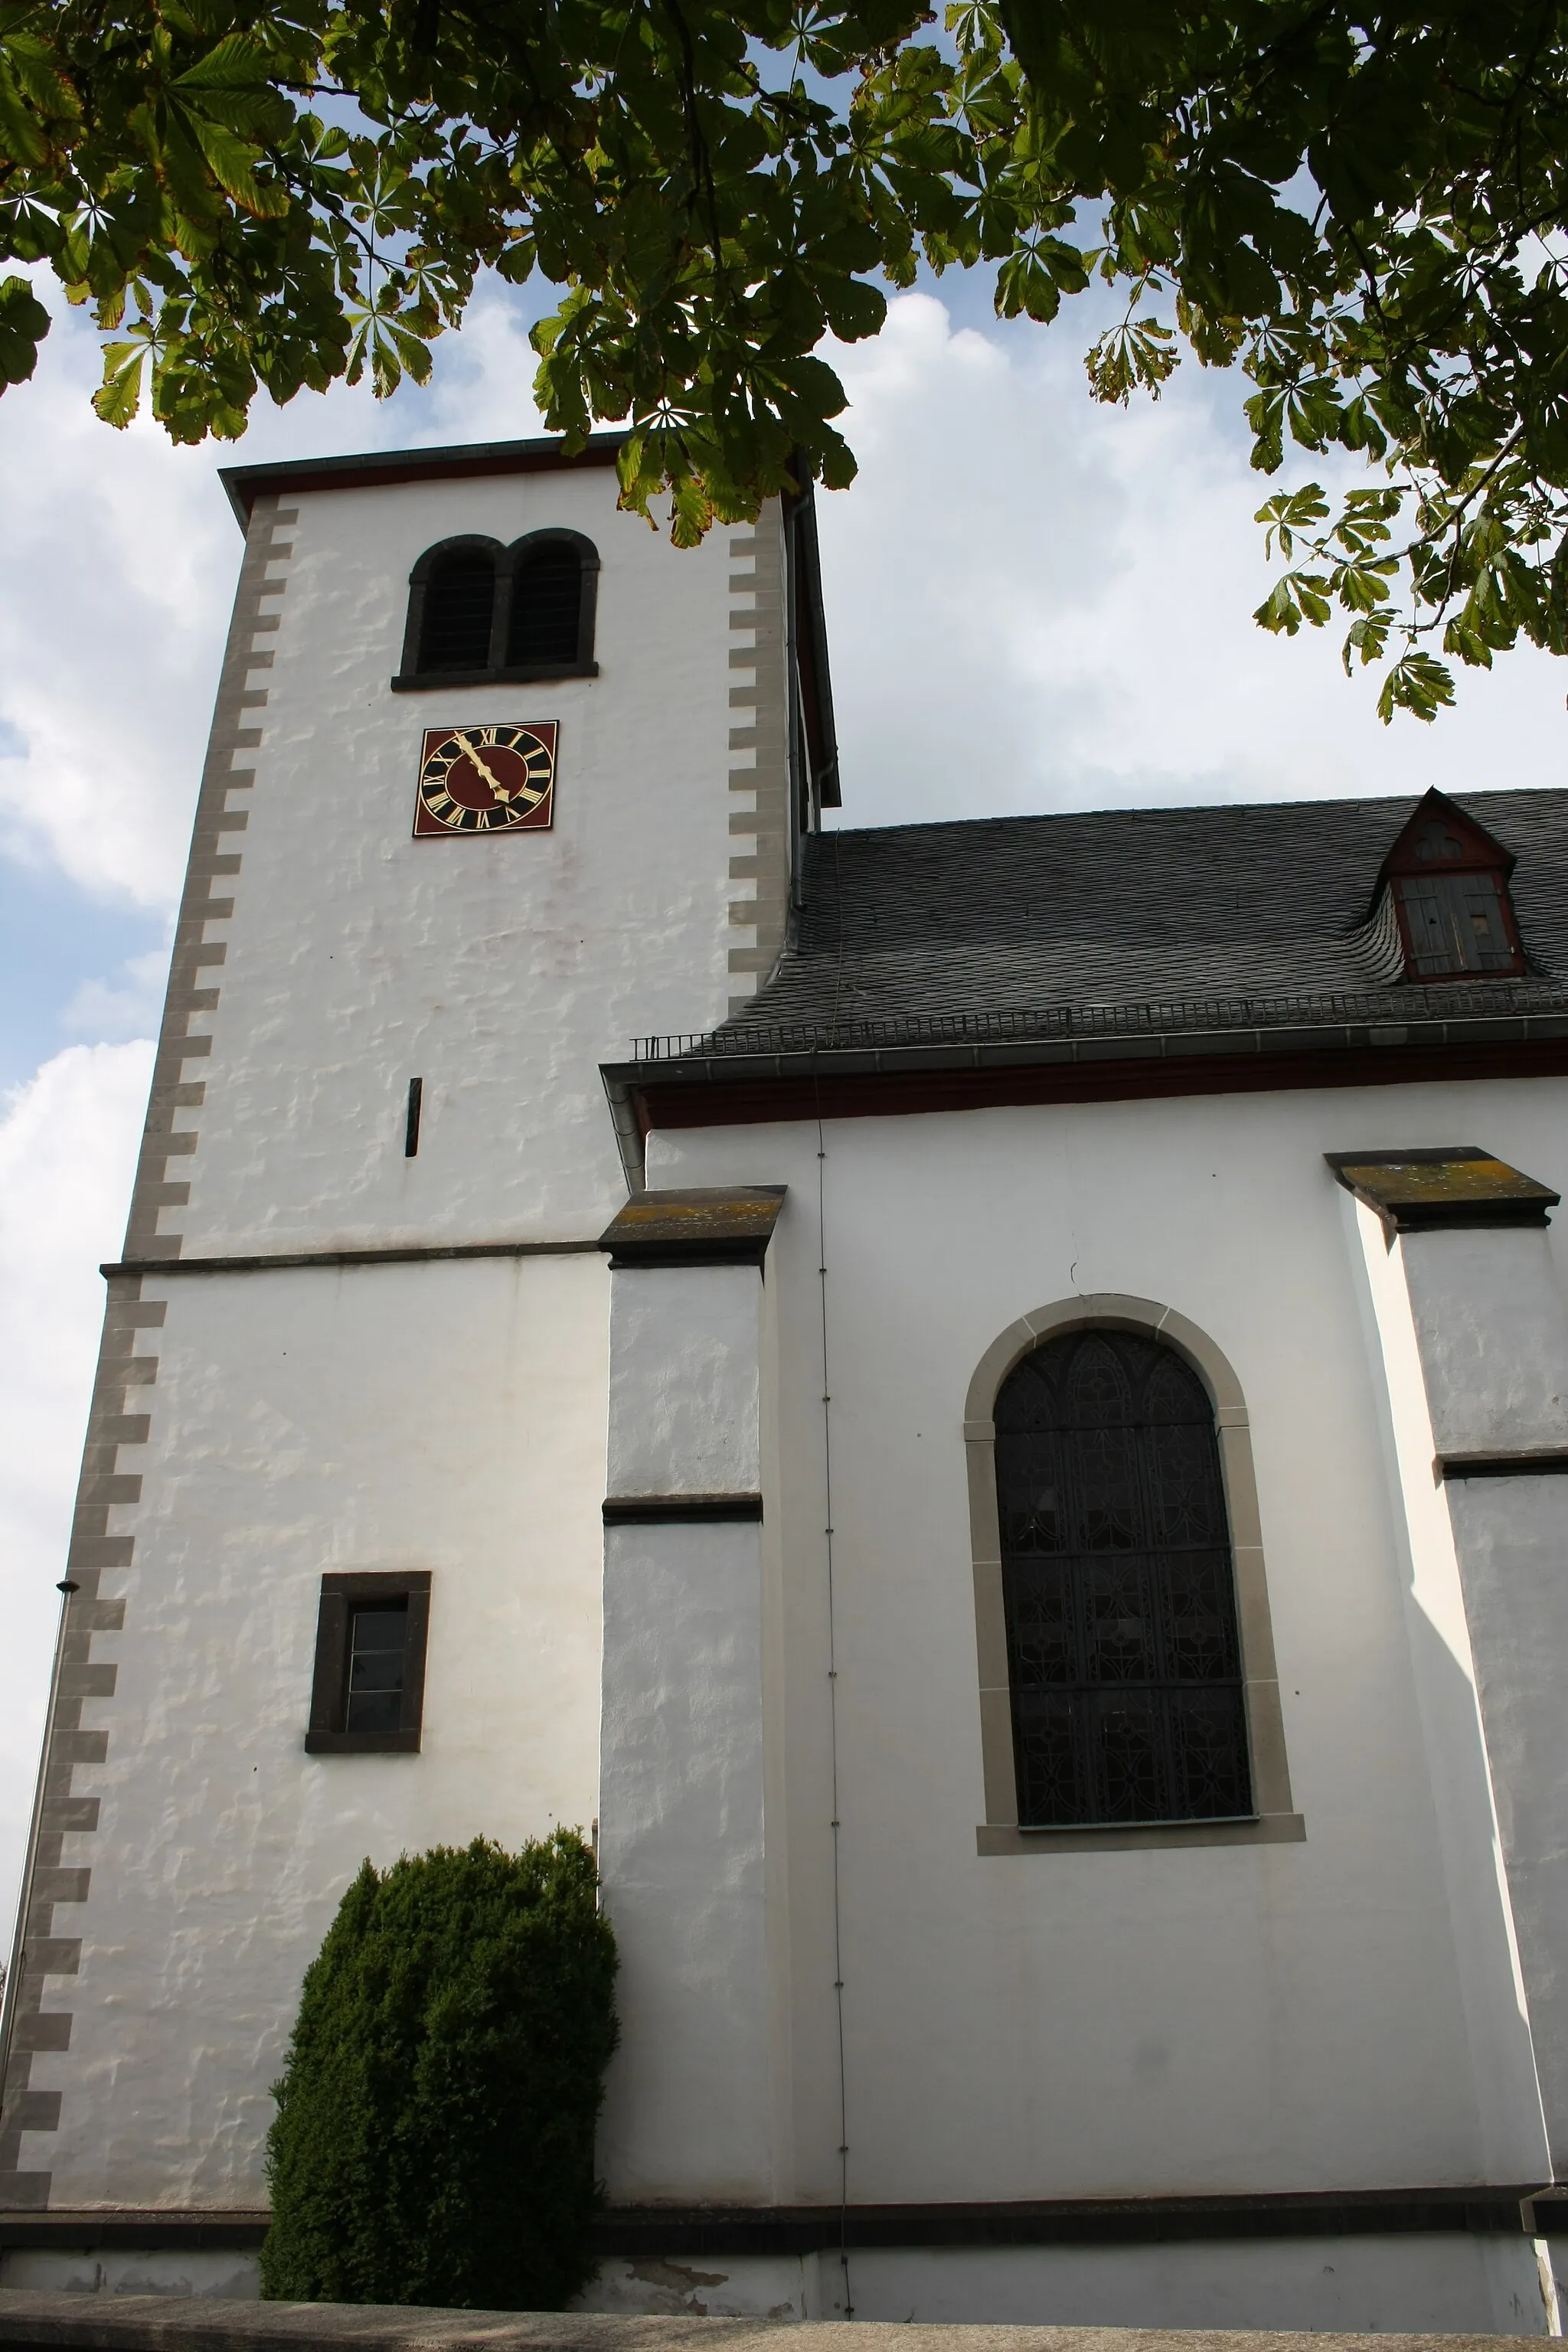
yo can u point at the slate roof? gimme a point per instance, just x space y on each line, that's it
1131 920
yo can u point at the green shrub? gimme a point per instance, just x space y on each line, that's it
434 2141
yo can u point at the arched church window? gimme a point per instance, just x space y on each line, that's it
1123 1652
479 613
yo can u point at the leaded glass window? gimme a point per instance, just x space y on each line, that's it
1123 1652
378 1645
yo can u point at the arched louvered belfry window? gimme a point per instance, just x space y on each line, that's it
479 613
1123 1652
550 624
450 630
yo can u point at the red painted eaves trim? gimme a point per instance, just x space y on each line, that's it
901 1094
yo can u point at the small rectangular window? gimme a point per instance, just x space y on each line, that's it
369 1687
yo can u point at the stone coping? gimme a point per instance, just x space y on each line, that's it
148 2323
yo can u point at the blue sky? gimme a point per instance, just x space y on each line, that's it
1032 604
57 940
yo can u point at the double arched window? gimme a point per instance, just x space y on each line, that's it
1124 1654
478 611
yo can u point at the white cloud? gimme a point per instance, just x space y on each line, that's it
119 573
483 389
122 555
1034 602
67 1150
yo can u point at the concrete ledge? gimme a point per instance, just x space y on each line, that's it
59 2322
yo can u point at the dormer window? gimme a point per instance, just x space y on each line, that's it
480 613
1448 879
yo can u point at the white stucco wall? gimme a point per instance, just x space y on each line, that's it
696 2099
1501 2054
1473 1333
95 2270
1137 2022
1493 1336
1513 1539
501 970
685 1381
689 2111
443 1416
1444 2284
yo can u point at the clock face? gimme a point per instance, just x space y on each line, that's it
490 779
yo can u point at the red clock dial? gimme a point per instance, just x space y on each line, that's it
488 779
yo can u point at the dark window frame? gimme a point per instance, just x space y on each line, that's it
341 1594
412 678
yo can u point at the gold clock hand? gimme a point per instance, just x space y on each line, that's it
500 791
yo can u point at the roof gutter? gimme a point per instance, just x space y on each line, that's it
892 1081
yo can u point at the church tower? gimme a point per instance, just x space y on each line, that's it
498 780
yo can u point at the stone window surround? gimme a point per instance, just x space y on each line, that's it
1275 1822
342 1591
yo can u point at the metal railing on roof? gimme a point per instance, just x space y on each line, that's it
1456 1000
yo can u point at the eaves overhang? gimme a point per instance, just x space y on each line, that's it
730 1087
1433 1188
728 1225
374 468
